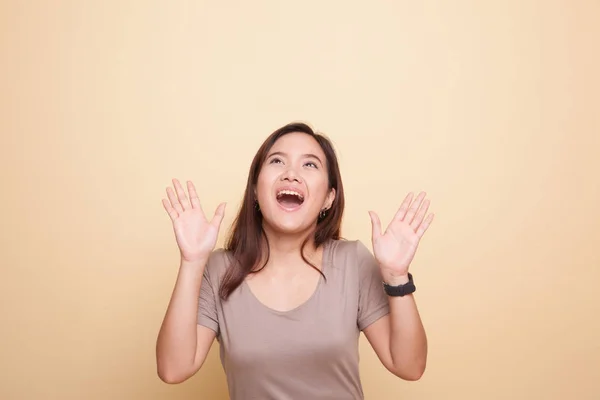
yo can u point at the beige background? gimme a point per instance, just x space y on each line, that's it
492 107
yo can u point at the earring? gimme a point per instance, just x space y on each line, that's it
323 214
256 205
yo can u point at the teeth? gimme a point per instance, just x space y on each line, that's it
290 192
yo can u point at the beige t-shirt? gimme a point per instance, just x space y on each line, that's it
308 353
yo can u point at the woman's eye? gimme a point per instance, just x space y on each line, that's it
275 160
311 164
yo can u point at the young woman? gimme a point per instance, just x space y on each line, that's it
287 297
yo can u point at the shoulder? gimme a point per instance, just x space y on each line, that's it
346 251
353 260
217 264
349 247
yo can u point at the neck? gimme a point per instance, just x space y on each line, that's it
285 250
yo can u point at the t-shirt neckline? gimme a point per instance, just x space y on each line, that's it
324 266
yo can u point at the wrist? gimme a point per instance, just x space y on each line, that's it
399 285
395 280
196 262
193 265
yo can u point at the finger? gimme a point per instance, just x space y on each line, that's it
193 196
173 214
420 215
400 214
376 224
423 227
183 199
174 201
414 207
219 214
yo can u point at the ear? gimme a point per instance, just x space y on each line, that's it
329 199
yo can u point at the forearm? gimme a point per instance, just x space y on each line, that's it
177 339
408 341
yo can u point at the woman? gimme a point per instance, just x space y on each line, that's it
287 298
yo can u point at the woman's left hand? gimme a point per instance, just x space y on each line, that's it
395 249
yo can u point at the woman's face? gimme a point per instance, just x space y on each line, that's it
293 184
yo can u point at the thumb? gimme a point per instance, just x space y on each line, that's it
219 214
376 224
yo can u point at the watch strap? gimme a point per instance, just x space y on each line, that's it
400 290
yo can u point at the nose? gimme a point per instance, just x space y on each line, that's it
290 174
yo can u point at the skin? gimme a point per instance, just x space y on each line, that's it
296 160
399 338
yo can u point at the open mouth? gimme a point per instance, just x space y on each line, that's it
290 199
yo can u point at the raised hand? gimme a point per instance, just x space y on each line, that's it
196 236
396 247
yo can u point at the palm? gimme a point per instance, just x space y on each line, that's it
396 247
196 236
194 233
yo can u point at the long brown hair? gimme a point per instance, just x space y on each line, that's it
244 244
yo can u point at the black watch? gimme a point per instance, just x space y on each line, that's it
400 290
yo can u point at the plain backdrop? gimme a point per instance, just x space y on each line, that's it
491 107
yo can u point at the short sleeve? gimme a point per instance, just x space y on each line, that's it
207 302
372 300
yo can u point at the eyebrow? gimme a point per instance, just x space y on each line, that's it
307 155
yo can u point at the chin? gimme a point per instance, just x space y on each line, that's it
290 228
289 224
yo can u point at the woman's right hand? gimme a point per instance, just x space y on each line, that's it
196 236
